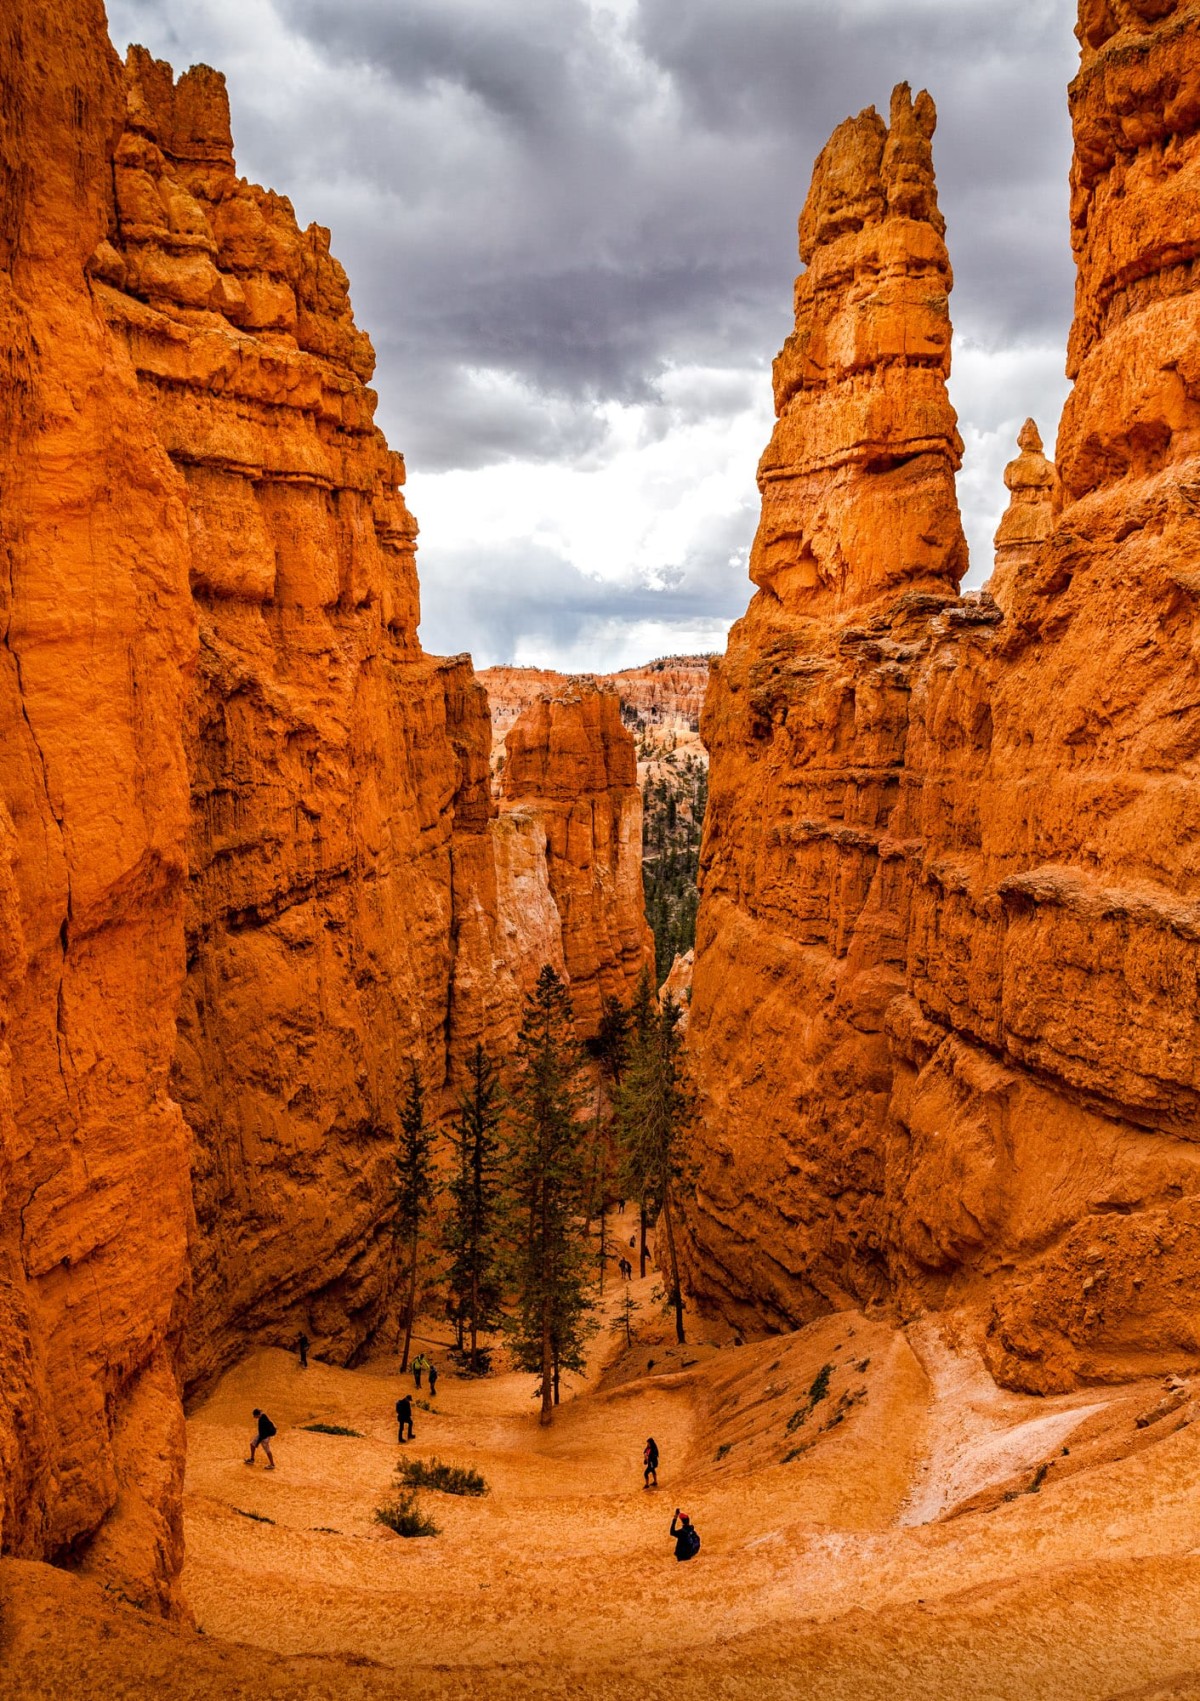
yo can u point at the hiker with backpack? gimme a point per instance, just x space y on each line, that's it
650 1461
404 1416
266 1429
419 1364
683 1534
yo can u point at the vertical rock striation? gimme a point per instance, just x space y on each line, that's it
250 863
857 482
950 874
97 645
571 761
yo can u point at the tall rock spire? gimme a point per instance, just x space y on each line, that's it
858 479
1032 483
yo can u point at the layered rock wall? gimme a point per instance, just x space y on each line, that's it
250 863
944 1013
97 648
571 763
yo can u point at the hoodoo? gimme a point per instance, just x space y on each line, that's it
949 889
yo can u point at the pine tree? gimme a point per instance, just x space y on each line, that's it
473 1225
547 1189
655 1107
643 1018
414 1189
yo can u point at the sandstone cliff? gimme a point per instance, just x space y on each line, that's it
944 1014
250 863
667 695
97 644
571 763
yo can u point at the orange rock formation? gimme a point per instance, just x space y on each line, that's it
944 1015
571 762
665 692
249 860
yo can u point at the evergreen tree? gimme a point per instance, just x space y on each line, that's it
643 1017
547 1190
414 1189
473 1225
655 1107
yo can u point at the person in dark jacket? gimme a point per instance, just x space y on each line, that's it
650 1461
404 1416
302 1349
433 1376
266 1429
683 1534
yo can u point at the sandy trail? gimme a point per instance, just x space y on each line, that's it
829 1560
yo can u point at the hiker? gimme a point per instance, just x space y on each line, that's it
627 1269
404 1416
302 1349
650 1460
683 1534
419 1364
266 1429
433 1375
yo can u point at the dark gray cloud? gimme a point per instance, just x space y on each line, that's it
546 207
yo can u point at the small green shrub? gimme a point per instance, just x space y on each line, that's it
330 1429
820 1385
404 1515
794 1454
796 1419
1039 1477
444 1479
258 1517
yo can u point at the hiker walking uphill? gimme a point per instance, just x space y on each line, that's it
266 1429
419 1364
433 1376
683 1534
302 1345
404 1416
650 1461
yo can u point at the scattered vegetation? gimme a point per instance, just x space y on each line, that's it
723 1449
1039 1477
258 1517
673 805
331 1429
443 1478
820 1385
403 1514
818 1391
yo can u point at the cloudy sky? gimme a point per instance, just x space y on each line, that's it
570 228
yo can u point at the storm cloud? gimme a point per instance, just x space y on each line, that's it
570 227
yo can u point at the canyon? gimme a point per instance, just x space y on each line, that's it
259 853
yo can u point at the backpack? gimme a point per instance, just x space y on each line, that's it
266 1428
693 1543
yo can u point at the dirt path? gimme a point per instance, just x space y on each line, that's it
820 1469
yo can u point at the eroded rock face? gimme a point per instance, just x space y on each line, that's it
250 863
97 647
858 479
950 869
571 761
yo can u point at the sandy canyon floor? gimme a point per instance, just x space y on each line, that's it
912 1532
